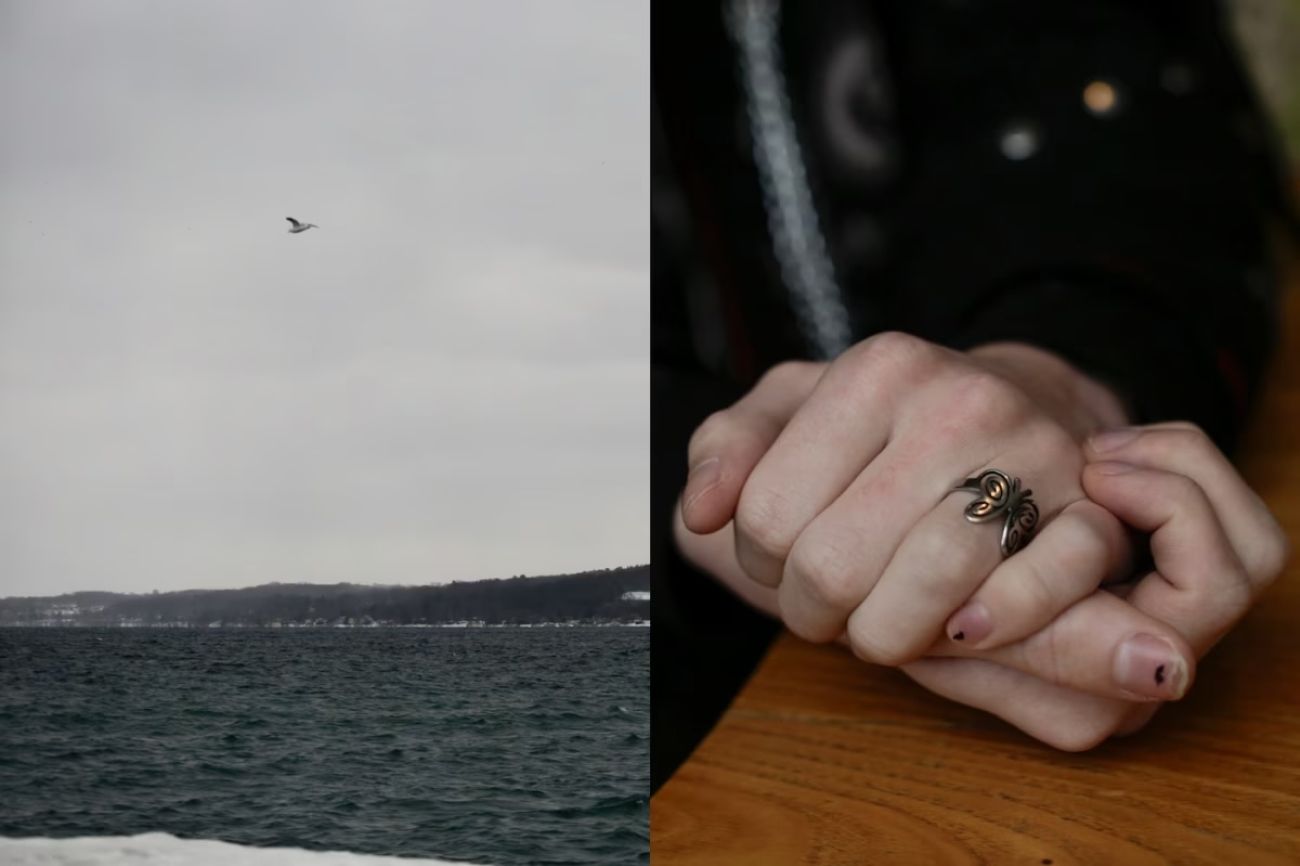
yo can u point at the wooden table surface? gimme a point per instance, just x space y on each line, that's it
824 760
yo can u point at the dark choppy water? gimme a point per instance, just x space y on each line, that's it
502 746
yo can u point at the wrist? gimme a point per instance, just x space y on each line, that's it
1082 404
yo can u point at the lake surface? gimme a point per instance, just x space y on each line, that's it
500 746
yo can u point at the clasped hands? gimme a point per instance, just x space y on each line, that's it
825 497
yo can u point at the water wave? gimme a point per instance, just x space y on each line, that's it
506 746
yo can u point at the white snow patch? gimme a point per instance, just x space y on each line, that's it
163 849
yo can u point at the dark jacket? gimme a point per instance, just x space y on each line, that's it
1095 178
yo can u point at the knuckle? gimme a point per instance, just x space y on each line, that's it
826 573
1192 433
874 648
893 355
1193 438
1273 556
892 345
762 519
1184 438
984 401
715 430
1056 444
787 374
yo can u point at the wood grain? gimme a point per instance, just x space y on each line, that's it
823 760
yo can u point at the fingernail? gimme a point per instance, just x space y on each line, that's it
1150 667
1112 439
1113 467
971 624
700 480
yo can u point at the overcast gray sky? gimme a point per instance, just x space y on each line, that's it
447 380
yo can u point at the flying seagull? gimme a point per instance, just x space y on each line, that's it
300 227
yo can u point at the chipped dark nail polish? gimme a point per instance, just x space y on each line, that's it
1150 667
971 623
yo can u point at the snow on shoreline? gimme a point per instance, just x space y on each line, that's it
163 849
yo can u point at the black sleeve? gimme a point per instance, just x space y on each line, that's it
1131 241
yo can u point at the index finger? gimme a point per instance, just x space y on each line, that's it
725 448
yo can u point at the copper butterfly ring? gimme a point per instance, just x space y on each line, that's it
998 495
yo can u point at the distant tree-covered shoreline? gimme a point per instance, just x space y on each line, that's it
607 595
